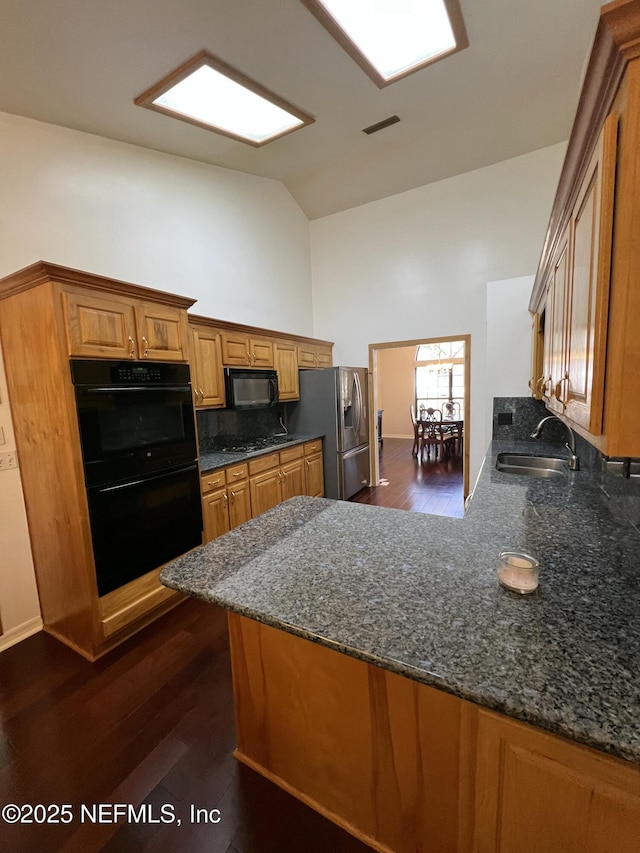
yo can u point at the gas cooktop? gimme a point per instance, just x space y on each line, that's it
236 444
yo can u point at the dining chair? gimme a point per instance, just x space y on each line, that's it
417 432
434 433
452 410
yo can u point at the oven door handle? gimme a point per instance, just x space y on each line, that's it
111 389
104 490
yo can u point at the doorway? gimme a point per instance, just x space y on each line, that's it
432 372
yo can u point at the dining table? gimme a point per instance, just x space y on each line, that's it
453 427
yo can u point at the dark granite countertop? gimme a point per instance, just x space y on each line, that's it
419 595
209 461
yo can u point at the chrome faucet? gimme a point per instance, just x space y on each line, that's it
574 461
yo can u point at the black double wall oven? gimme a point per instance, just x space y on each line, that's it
139 452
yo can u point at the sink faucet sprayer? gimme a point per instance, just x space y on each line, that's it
574 461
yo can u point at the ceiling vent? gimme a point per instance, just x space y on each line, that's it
380 125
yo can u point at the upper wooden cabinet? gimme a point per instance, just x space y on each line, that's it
577 300
207 375
586 285
314 355
285 359
243 350
248 346
104 327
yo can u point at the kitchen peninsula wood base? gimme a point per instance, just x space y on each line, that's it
405 767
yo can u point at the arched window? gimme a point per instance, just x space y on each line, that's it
439 377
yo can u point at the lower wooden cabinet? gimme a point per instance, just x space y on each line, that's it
233 495
408 768
314 476
536 793
225 500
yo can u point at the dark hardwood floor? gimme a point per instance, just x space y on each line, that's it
426 485
149 724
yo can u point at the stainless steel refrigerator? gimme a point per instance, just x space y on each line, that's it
334 401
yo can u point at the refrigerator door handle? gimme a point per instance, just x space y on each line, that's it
357 399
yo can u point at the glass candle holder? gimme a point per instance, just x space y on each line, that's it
518 572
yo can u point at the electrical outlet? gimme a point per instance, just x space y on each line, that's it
8 460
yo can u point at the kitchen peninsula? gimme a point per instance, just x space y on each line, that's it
383 675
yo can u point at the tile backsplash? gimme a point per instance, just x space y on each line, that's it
526 413
215 424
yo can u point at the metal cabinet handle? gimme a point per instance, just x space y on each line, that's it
233 495
238 474
225 497
212 482
201 392
145 353
132 347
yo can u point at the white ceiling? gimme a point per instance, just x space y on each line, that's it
80 64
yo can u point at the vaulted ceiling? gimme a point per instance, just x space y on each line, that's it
80 64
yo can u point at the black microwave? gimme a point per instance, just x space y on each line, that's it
250 389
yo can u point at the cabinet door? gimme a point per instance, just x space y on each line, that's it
261 352
307 356
537 357
556 388
293 482
314 482
239 503
285 360
536 793
207 376
266 491
162 332
215 512
235 349
324 357
588 300
99 327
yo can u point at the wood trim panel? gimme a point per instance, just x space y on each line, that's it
48 443
123 606
383 755
42 272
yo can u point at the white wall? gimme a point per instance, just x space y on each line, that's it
508 341
416 265
237 243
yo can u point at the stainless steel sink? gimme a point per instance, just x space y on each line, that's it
534 466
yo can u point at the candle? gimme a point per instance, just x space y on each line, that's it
518 572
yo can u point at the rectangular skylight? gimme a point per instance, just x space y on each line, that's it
208 92
393 38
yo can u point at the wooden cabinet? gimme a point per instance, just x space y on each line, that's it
244 350
48 313
536 793
207 374
102 327
406 767
314 355
314 476
285 359
578 293
225 500
233 495
597 212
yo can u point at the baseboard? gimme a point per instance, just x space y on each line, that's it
21 632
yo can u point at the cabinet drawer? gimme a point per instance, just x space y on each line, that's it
212 480
236 473
263 463
291 453
312 447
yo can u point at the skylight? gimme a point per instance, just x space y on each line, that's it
208 92
393 38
